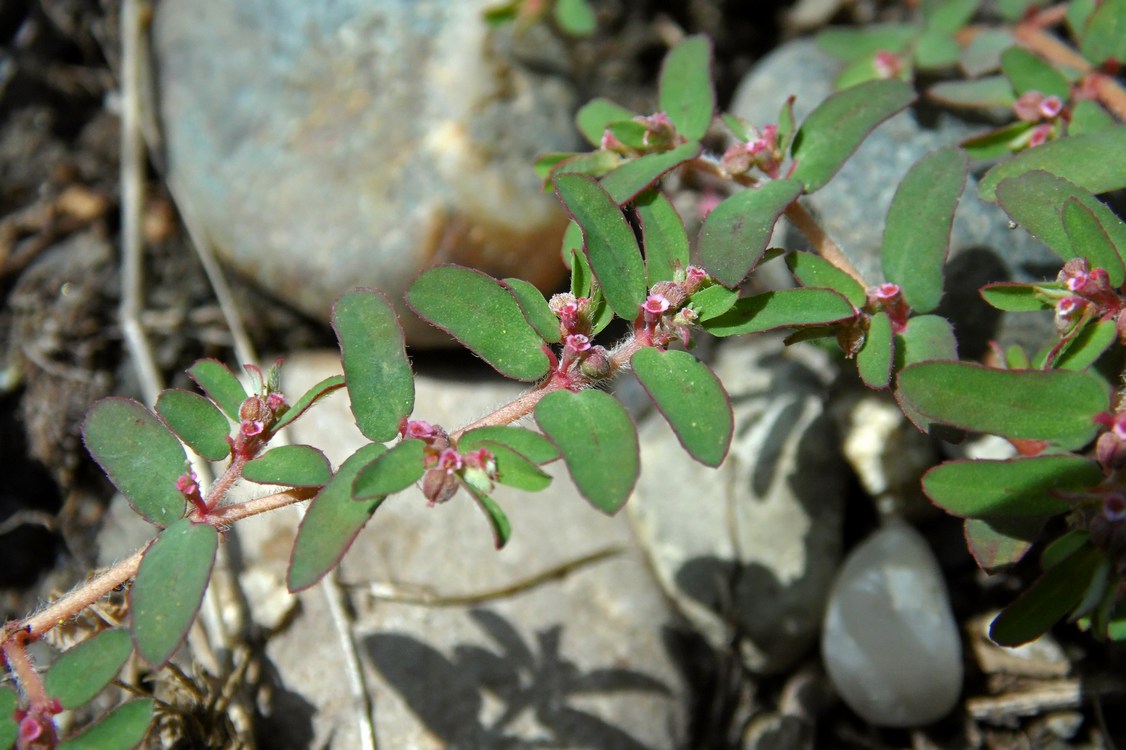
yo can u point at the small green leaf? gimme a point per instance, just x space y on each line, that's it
220 384
610 244
782 309
598 441
1093 161
927 337
997 543
1090 344
1088 116
515 470
631 133
1087 234
532 445
787 126
593 117
1078 13
626 182
1013 297
981 93
123 729
983 54
535 308
484 316
686 92
873 362
139 455
949 15
838 126
1104 34
999 143
1012 488
81 673
713 301
1052 596
169 587
691 399
1014 10
594 164
290 466
811 270
310 397
850 44
545 164
378 374
663 236
498 521
391 472
1057 405
917 235
935 50
575 17
197 422
331 523
1027 72
735 234
9 727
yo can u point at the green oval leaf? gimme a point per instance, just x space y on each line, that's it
515 470
9 727
220 384
169 587
949 15
1086 347
391 472
594 116
310 397
1056 405
139 455
626 182
787 308
1088 116
713 301
691 399
1094 161
663 236
598 441
917 235
594 163
576 17
735 234
535 308
197 422
290 466
850 44
840 124
376 369
1104 34
1006 489
610 244
484 316
685 89
1027 72
532 445
926 337
811 270
498 521
331 523
1013 297
124 728
873 362
81 673
983 93
935 50
1088 236
997 543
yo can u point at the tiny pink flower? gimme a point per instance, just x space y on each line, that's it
419 429
449 460
252 427
656 304
275 401
888 64
577 342
886 292
1051 107
610 142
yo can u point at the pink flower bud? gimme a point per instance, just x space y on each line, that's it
656 304
887 64
1050 107
419 429
596 364
438 486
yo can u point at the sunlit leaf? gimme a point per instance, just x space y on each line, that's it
484 316
576 17
631 133
123 729
663 236
782 309
379 376
515 470
1087 234
1027 72
713 301
873 362
1015 487
391 472
1090 344
1104 34
594 164
139 455
980 93
1013 297
838 125
289 466
936 49
997 543
331 523
197 422
593 117
498 521
308 398
983 54
169 587
736 233
626 182
999 143
685 87
1094 161
535 308
853 43
532 445
927 337
220 384
917 235
691 399
598 442
81 673
812 270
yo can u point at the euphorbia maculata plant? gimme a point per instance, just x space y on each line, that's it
631 258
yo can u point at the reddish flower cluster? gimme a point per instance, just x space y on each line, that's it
446 467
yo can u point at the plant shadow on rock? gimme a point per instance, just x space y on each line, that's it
447 693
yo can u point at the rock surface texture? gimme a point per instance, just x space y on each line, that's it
325 146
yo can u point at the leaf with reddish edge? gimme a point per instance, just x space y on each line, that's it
850 44
1052 596
289 466
1012 488
1011 296
391 472
926 337
220 385
169 587
378 374
840 124
535 308
712 301
1085 348
917 234
1104 34
1057 405
873 362
331 523
997 543
811 270
83 670
532 445
990 92
484 316
691 399
598 442
1086 233
735 234
999 143
626 182
593 117
1027 72
663 236
1088 116
122 729
609 242
498 521
310 397
196 421
1095 162
139 455
594 164
788 308
685 88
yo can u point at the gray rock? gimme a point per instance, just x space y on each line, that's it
325 146
853 206
890 642
748 551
